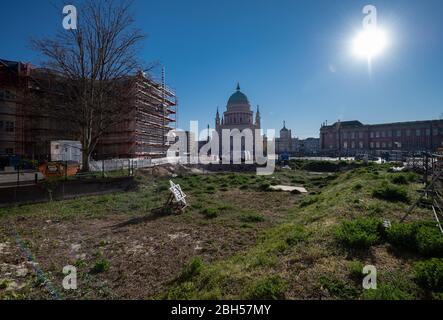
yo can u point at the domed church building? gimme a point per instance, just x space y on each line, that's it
238 115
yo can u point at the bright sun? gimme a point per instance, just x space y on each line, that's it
370 43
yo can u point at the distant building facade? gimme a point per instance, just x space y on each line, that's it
353 137
286 144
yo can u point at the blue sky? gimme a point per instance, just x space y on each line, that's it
291 57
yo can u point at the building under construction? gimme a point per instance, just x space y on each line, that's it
27 132
143 134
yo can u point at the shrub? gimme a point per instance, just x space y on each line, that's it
100 266
264 186
429 241
192 269
391 192
252 218
360 233
429 274
269 288
387 292
308 201
356 270
322 166
399 178
338 289
422 237
402 235
210 213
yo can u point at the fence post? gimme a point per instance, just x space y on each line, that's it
36 178
18 175
66 170
103 168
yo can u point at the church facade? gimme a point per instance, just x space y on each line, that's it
238 115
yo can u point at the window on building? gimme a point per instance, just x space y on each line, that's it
398 133
360 135
398 144
9 151
353 145
377 134
383 145
371 134
428 132
345 145
408 133
383 134
377 145
390 145
372 145
360 144
435 131
9 126
418 132
389 133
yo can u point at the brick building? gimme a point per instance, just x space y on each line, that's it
353 137
27 132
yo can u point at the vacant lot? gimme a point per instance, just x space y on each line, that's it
237 239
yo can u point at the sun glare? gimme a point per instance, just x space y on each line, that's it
370 43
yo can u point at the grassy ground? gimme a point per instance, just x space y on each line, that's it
236 239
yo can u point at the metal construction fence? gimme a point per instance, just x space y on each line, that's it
129 164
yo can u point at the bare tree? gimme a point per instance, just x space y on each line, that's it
92 67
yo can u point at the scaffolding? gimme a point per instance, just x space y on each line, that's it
150 118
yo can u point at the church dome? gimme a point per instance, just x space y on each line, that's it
238 98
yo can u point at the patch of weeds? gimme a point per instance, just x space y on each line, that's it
360 233
308 201
265 186
197 206
190 270
185 291
252 217
3 284
338 288
375 209
296 236
357 186
79 263
402 235
387 292
430 241
399 178
162 187
210 189
390 192
356 270
429 274
422 237
269 288
100 266
210 213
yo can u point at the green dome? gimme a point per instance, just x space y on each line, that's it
238 98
